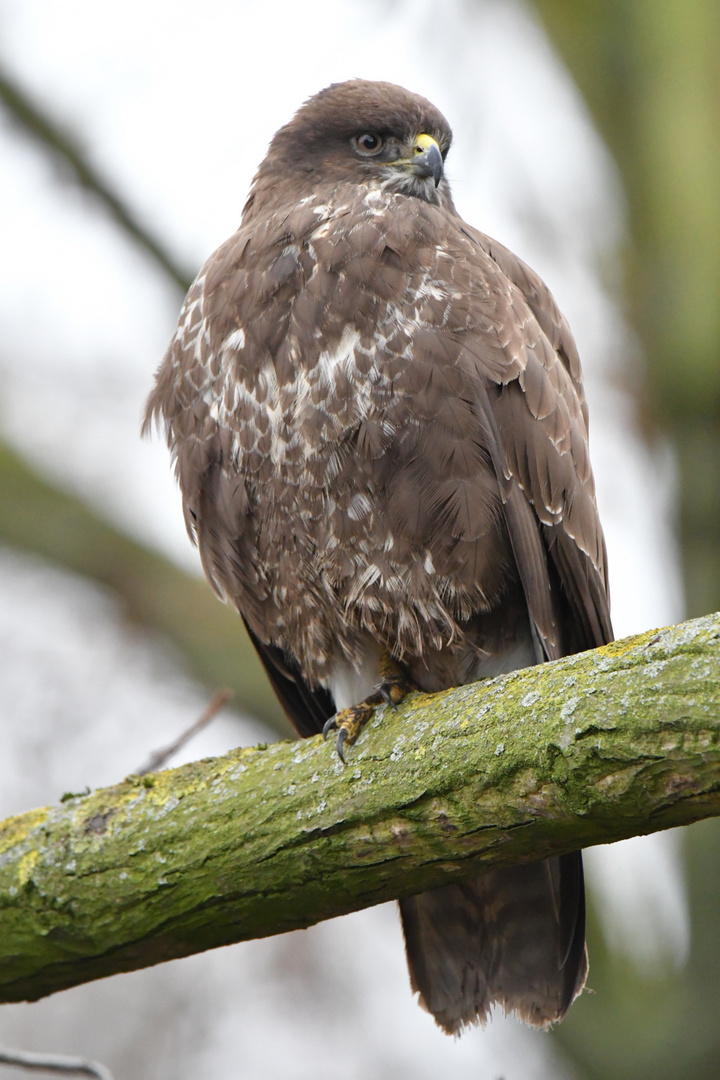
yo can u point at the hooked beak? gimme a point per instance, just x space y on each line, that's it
427 160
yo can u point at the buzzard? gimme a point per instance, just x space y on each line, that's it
378 423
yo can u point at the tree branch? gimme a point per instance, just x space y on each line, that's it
63 146
54 1063
37 517
590 749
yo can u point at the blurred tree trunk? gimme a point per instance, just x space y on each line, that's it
650 75
38 518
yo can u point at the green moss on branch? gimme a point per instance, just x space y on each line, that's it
593 748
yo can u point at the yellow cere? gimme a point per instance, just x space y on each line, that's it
424 142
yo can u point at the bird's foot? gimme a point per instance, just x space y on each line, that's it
348 722
394 687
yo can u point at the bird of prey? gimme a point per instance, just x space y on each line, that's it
378 423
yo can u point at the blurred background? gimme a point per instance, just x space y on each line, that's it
586 139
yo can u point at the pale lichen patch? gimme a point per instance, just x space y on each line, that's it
564 740
569 708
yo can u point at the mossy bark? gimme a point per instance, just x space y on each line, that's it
590 749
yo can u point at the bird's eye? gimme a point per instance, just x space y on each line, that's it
369 143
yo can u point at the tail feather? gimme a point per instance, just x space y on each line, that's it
513 938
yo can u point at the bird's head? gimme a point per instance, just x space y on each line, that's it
368 133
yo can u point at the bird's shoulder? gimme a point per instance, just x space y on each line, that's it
541 302
396 270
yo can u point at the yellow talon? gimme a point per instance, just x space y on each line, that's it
394 687
348 722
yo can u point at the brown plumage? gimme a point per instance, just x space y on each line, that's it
380 434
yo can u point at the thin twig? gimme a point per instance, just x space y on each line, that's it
54 1063
158 758
36 122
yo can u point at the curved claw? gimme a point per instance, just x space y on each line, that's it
386 693
332 725
329 725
